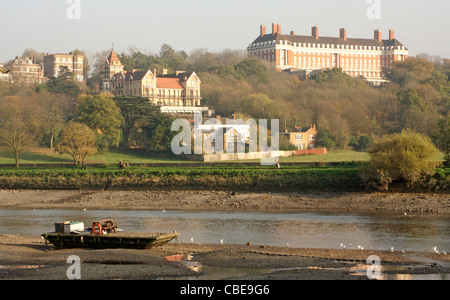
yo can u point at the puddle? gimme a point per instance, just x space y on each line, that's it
361 270
210 272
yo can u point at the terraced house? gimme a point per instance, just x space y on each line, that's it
174 93
357 57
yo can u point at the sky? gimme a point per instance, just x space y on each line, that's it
61 26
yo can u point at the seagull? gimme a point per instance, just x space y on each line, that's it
392 249
359 247
445 253
221 241
342 245
84 209
192 239
287 245
435 250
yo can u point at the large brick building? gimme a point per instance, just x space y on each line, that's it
73 62
305 54
26 71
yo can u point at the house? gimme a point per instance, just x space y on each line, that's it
73 62
306 54
26 71
303 138
177 93
224 135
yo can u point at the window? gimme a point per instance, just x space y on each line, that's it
311 137
299 136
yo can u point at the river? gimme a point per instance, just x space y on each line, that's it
303 230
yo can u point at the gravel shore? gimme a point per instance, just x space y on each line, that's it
24 257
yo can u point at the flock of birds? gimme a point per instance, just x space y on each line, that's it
343 246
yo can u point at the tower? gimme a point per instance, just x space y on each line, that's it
111 67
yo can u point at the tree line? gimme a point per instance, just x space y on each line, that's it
349 112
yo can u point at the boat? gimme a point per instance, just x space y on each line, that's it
71 235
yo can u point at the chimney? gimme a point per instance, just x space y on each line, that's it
279 28
377 35
391 35
292 32
263 30
343 33
315 32
274 28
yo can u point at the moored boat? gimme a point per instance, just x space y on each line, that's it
99 238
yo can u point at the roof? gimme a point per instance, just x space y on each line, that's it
113 58
168 83
132 75
326 40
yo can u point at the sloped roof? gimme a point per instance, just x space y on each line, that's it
168 83
113 58
326 40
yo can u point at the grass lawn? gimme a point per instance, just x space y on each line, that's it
46 155
331 156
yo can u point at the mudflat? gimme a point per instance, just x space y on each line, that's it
398 203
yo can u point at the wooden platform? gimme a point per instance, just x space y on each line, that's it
127 240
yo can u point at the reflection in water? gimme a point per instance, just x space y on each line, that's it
304 230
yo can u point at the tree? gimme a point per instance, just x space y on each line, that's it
77 140
403 157
102 115
160 133
442 138
137 113
362 144
54 109
17 126
64 84
324 139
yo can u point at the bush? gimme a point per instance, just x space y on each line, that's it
406 157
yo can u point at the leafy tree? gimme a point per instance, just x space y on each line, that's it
362 144
101 114
64 84
160 133
138 113
442 138
77 140
325 139
411 99
403 157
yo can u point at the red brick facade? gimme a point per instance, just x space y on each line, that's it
356 57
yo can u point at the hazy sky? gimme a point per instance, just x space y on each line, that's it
422 26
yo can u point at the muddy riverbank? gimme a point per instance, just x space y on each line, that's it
24 257
397 203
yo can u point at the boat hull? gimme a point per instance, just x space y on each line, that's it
63 241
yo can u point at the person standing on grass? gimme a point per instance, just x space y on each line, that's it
83 164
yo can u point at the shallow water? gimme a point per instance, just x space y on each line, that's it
304 230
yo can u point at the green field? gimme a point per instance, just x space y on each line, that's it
48 156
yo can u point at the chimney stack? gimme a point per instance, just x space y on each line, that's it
377 35
315 32
274 28
279 28
391 35
263 30
343 33
292 32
